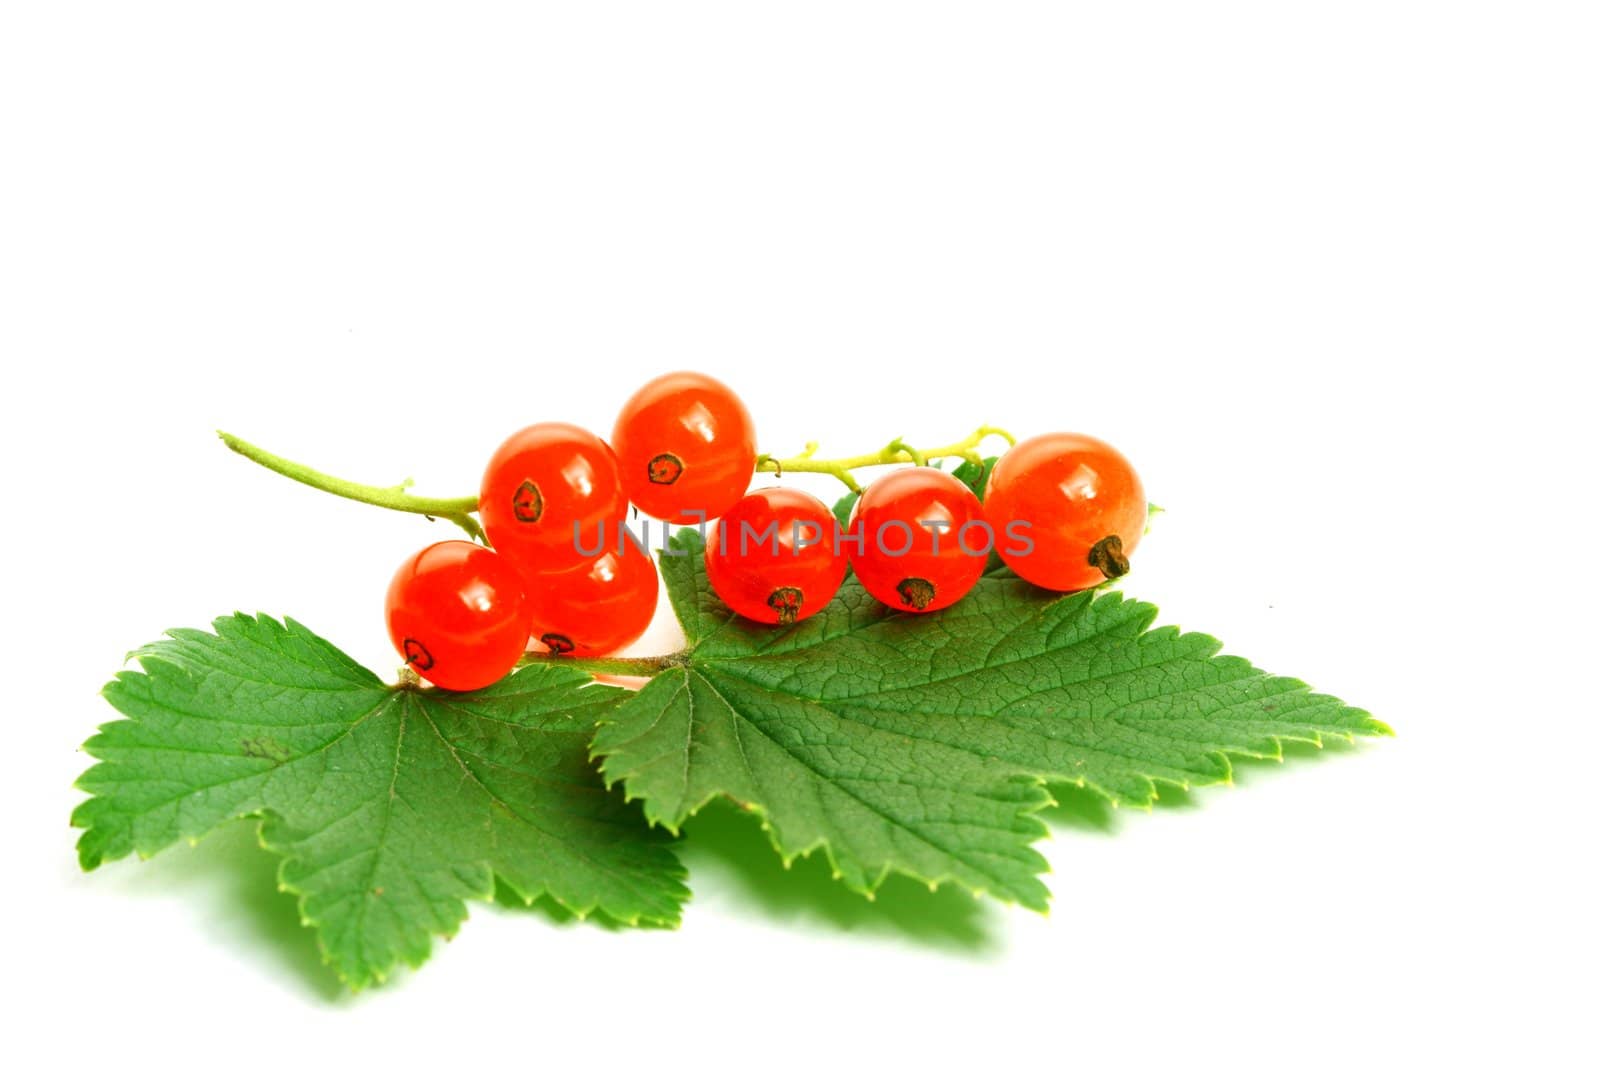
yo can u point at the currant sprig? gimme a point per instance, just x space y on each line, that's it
558 569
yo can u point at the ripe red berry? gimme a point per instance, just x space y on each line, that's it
1084 505
457 614
686 448
540 482
773 557
595 608
918 539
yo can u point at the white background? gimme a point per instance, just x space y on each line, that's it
1327 272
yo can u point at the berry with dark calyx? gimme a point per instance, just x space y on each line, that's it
773 557
686 448
1083 504
541 481
918 541
457 613
597 607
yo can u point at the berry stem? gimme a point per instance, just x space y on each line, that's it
453 509
459 509
895 451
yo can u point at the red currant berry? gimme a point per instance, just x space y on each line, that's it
918 540
1082 504
686 448
773 557
540 482
458 615
597 607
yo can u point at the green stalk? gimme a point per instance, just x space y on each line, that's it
457 509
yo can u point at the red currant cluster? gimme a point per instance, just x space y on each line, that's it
552 501
1062 510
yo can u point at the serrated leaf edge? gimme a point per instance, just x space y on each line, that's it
265 817
1224 756
869 886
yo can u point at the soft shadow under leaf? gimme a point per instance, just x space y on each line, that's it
245 907
726 847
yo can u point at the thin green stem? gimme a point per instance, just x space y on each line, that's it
453 509
624 666
895 451
460 509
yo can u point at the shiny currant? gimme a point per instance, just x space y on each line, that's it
541 481
457 613
597 607
1079 508
686 448
773 557
917 539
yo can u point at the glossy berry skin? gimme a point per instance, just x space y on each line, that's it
783 576
686 448
458 615
906 564
1085 505
598 607
538 483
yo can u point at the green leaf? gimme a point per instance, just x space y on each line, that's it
389 806
841 509
976 475
923 744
